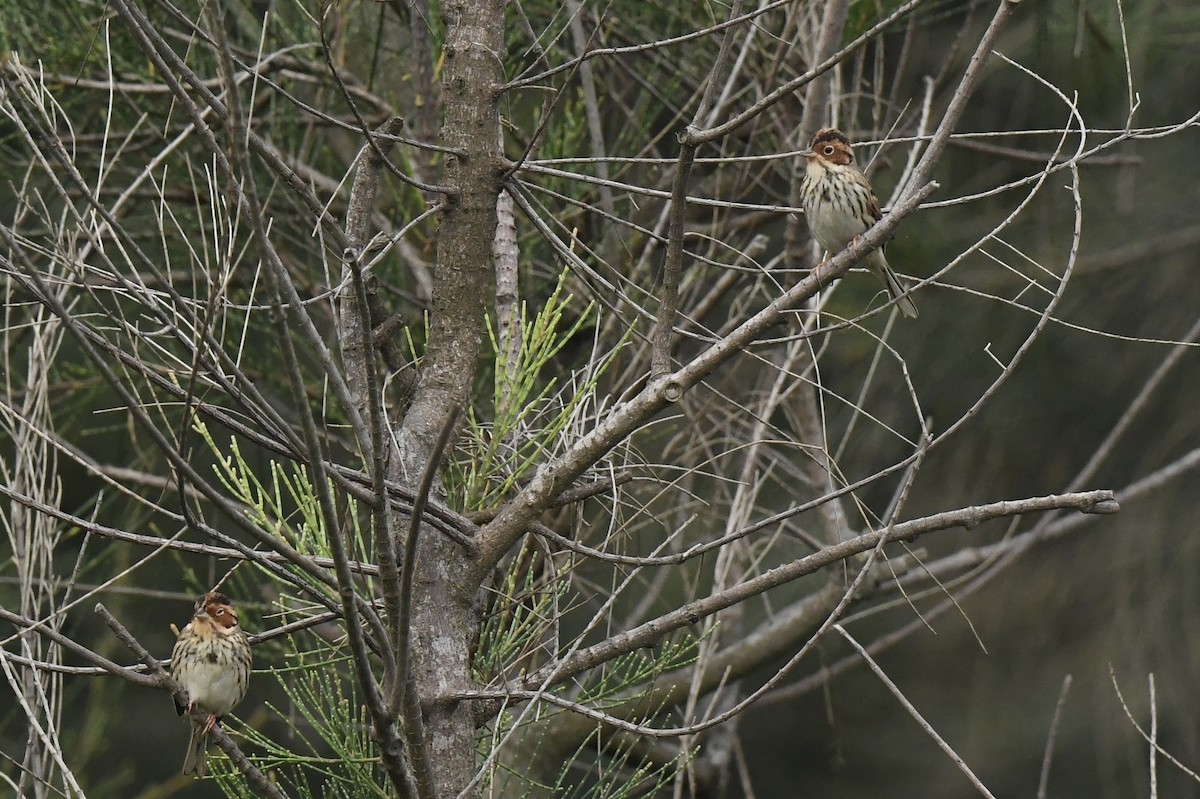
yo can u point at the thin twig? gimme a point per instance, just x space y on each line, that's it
1153 737
363 128
773 97
51 634
405 695
647 633
1051 737
958 103
354 610
363 378
554 477
1112 675
916 714
663 335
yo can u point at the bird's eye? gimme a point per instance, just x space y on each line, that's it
828 149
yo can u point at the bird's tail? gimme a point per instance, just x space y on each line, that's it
196 762
897 291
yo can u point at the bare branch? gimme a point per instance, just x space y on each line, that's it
648 633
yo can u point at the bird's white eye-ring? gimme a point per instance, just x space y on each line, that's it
828 149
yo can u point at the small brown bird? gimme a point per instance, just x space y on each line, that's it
840 205
211 660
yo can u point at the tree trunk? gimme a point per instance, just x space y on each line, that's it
444 619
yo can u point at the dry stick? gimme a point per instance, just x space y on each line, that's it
386 322
363 128
1044 780
925 725
1143 250
103 664
662 335
244 195
414 726
76 671
674 559
1057 526
37 286
390 744
555 476
647 46
833 23
1153 738
576 493
549 106
897 73
1019 154
1112 675
1005 554
648 633
359 355
748 256
796 83
552 97
668 302
551 479
1137 406
647 191
958 102
583 491
169 62
506 256
707 675
422 70
256 779
591 104
236 387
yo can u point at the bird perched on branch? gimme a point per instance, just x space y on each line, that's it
211 660
840 205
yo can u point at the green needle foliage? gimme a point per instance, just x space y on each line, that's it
531 407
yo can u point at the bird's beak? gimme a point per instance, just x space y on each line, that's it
807 153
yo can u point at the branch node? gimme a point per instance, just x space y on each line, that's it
1103 506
